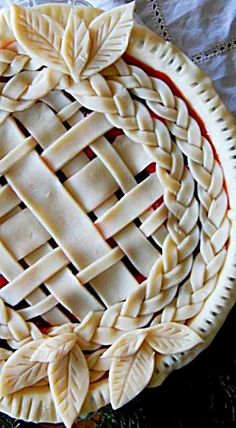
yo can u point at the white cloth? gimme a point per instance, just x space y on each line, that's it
204 29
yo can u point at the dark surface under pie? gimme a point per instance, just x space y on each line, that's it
202 394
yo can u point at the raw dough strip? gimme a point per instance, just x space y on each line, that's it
91 185
39 308
138 249
11 269
12 62
139 126
134 312
53 213
32 277
69 111
115 165
90 193
17 154
75 140
133 243
148 134
125 211
8 200
15 230
65 287
24 89
155 220
163 158
208 174
54 127
52 204
143 255
185 241
100 265
74 297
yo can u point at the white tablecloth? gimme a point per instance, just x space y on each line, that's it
204 29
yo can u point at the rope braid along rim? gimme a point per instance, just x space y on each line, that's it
167 142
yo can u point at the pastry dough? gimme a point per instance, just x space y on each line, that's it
117 210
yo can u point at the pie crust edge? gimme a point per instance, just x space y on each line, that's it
221 127
168 59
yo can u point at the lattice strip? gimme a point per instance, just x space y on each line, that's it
65 287
11 269
143 255
75 140
8 200
32 277
12 233
37 132
133 205
125 210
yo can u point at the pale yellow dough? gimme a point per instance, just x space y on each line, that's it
133 268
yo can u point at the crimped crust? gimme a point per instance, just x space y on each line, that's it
121 240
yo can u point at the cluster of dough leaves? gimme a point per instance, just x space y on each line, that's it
111 355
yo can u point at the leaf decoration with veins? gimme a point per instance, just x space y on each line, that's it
20 371
75 45
55 348
129 375
69 383
110 34
171 338
40 36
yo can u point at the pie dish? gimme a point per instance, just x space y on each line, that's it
117 210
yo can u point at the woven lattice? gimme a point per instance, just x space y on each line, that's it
114 225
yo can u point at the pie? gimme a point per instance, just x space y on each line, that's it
117 210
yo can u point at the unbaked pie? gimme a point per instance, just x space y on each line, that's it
117 210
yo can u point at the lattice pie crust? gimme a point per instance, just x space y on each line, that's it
117 210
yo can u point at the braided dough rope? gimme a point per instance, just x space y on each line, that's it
173 185
12 62
31 85
205 170
14 329
184 240
138 125
161 174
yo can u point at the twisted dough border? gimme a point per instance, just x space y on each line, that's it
221 127
169 60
